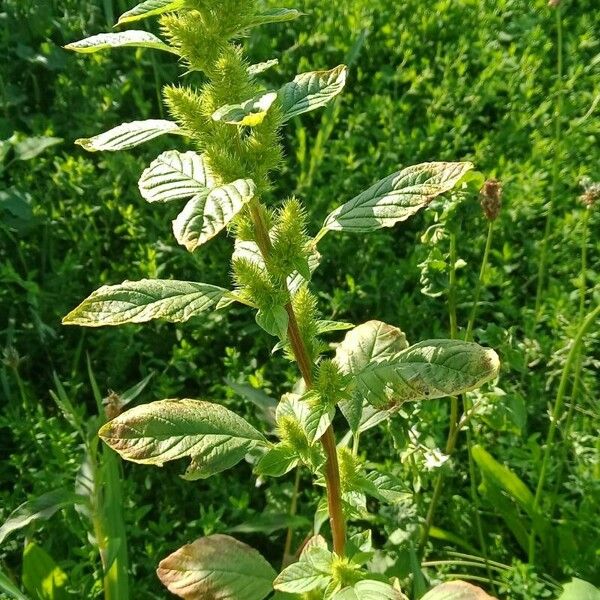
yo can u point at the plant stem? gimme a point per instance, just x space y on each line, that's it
556 411
555 167
332 470
452 288
290 531
479 284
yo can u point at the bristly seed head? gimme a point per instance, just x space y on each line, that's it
591 192
491 199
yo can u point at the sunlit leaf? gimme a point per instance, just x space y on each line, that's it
144 300
217 567
250 113
311 90
312 571
149 9
42 577
275 15
175 176
209 212
457 590
122 39
214 437
261 67
277 461
577 589
369 590
397 197
429 369
128 135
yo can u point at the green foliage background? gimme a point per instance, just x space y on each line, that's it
446 80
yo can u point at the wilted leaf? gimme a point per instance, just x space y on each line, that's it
311 90
149 9
397 197
175 176
217 567
144 300
209 212
122 39
214 437
128 135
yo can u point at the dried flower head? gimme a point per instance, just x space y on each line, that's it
553 3
591 192
491 199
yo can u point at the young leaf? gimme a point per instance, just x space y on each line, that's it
365 343
249 113
209 212
152 434
311 90
397 197
312 571
278 460
128 135
383 487
123 39
274 321
456 590
149 9
144 300
42 577
40 508
369 589
175 176
429 369
217 566
275 15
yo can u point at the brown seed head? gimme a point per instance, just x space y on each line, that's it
491 199
591 192
553 3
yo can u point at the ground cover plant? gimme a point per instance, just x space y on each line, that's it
465 516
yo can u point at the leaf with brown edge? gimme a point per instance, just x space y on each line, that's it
217 567
457 590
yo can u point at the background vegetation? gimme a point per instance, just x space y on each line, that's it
446 80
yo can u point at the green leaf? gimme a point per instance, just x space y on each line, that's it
269 522
249 113
369 589
383 487
456 590
217 566
128 135
261 67
175 176
40 508
367 342
312 571
577 589
211 435
277 461
149 9
209 212
274 321
8 587
42 577
311 90
275 15
429 369
397 197
33 146
144 300
122 39
507 481
265 403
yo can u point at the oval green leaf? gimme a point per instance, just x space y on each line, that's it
128 135
457 590
123 39
311 90
175 176
209 212
211 435
275 15
149 9
217 566
144 300
429 369
397 197
312 571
